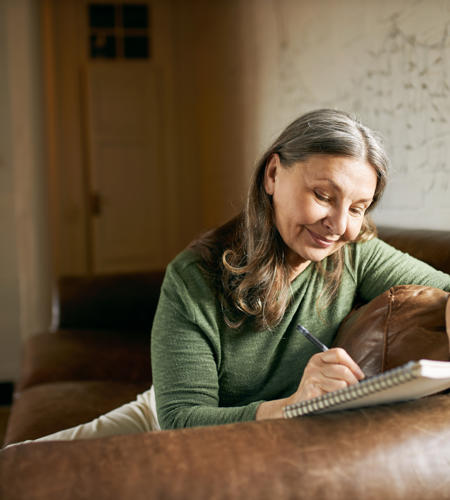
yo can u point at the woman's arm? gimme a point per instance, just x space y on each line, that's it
186 355
379 266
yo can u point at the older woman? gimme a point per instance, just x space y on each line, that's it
225 347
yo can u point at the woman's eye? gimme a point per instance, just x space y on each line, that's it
321 196
357 210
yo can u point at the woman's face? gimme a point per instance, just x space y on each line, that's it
319 204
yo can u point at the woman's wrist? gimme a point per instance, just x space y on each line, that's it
271 409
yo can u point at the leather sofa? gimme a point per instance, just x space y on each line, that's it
97 357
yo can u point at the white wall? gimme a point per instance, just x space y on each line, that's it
388 61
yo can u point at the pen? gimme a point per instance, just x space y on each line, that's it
312 338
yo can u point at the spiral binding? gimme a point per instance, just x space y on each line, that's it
371 385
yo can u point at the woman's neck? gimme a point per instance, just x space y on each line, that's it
297 268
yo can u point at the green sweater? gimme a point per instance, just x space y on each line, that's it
206 373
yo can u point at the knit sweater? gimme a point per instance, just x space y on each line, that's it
206 373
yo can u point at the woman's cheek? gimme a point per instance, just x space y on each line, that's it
355 228
312 213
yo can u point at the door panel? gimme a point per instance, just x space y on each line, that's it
126 181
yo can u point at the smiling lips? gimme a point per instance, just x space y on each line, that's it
320 240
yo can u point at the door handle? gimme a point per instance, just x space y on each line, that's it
96 204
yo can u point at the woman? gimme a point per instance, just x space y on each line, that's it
225 347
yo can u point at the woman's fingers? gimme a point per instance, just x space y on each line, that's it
328 371
338 357
340 373
331 384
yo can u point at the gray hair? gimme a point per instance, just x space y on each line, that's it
329 132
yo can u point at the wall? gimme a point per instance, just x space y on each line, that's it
246 68
25 290
9 289
215 104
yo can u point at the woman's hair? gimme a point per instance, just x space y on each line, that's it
247 257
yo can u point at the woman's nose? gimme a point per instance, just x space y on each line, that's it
337 221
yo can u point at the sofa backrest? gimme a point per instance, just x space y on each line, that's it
431 246
107 302
128 301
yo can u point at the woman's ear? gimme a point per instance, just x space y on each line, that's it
270 175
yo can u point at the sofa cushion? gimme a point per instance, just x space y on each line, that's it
405 323
47 408
86 355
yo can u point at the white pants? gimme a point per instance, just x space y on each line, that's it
131 418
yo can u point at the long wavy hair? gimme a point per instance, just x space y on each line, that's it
246 257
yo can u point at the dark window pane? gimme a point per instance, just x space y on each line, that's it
103 46
135 16
101 15
135 47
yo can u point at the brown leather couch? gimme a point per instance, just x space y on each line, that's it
97 357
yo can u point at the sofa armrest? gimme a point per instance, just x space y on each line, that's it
69 355
407 322
391 452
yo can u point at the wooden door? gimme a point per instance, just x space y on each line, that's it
123 135
109 107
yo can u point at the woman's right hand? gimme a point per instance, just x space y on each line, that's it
326 372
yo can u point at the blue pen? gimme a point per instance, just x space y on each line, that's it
312 338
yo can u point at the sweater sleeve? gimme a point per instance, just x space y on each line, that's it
185 359
380 266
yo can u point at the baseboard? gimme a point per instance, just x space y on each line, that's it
6 393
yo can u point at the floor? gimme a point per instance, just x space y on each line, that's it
4 415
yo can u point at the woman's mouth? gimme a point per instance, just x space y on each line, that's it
319 240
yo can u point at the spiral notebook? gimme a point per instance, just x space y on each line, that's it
413 380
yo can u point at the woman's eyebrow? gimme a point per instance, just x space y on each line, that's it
336 187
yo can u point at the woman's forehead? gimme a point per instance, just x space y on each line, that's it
343 174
